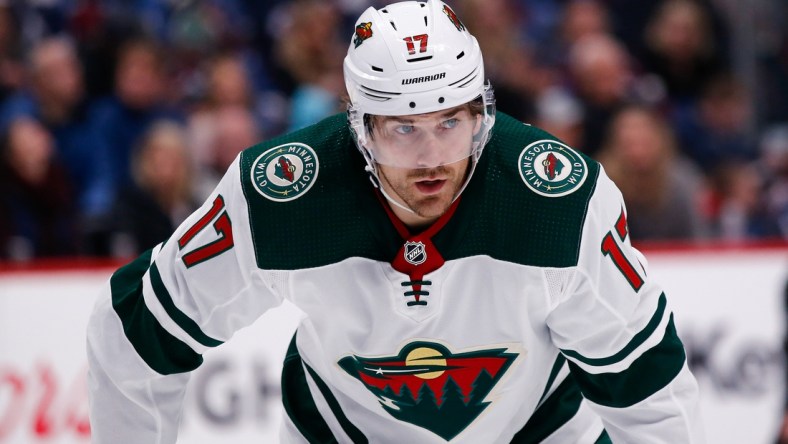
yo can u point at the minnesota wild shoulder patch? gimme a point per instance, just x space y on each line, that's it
552 169
285 172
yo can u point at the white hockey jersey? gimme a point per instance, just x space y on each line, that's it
522 315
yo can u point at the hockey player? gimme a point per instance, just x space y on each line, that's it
460 297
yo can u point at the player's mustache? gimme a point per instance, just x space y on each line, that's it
426 173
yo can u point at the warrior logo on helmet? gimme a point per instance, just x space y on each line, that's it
453 17
428 385
363 32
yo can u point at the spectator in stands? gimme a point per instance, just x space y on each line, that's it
99 31
583 18
661 190
211 32
772 63
160 197
680 47
508 59
36 203
560 114
56 98
742 210
138 101
224 122
774 168
11 66
228 86
308 43
310 51
230 130
552 27
603 79
235 131
715 131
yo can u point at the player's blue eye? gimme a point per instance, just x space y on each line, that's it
404 129
450 123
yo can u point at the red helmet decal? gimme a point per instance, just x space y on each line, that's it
453 17
363 32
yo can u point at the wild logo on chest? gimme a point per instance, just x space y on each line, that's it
428 385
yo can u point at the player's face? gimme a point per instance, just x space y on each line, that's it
437 147
428 192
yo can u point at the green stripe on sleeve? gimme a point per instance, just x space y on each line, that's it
604 438
636 341
561 406
300 405
356 435
645 376
557 366
180 318
163 352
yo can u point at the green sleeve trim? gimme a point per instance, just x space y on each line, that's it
636 341
300 405
645 376
356 436
604 438
162 351
180 318
560 407
557 366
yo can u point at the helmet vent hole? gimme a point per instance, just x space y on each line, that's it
393 25
375 68
412 104
418 59
441 100
385 11
460 55
425 20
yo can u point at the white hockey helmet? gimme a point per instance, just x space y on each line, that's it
413 58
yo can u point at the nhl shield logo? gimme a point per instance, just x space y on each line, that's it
285 172
415 253
428 385
552 169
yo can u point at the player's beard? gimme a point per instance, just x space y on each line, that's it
401 184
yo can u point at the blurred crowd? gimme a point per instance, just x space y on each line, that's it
117 117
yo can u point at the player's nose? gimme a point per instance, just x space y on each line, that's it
431 151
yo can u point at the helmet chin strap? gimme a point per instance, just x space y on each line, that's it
373 177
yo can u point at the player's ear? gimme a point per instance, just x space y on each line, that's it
478 124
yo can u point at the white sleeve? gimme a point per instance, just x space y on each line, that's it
159 313
615 327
